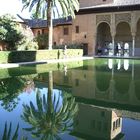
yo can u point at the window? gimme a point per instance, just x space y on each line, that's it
54 43
114 125
38 33
104 0
43 31
77 29
66 31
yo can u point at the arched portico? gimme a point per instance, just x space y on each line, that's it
103 38
123 39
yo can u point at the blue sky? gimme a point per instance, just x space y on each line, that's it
13 7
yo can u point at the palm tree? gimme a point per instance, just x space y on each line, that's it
45 8
49 119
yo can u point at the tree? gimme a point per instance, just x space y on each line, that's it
45 8
9 31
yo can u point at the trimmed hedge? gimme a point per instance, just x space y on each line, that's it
29 56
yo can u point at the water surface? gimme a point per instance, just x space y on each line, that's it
95 100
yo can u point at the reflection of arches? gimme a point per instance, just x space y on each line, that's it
123 34
122 83
103 34
103 81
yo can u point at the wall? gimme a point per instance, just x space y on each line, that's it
59 37
86 33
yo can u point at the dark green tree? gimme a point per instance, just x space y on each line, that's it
10 32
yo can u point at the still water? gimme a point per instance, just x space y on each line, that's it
98 99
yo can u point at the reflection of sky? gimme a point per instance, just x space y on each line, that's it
131 129
14 116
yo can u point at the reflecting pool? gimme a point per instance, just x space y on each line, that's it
95 99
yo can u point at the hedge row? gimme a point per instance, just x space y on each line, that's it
29 56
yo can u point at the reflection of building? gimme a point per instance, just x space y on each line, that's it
96 81
97 123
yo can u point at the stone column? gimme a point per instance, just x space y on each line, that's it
133 31
113 31
133 44
113 44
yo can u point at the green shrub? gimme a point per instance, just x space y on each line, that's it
42 40
40 55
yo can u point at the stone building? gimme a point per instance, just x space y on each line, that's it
109 24
105 27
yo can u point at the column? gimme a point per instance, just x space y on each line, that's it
133 31
133 44
113 44
113 31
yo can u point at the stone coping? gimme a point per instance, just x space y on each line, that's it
12 65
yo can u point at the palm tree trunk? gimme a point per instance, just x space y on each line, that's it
49 23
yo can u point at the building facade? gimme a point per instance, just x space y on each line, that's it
110 25
105 27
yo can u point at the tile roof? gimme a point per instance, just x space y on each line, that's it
115 3
40 23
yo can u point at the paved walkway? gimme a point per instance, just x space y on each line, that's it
12 65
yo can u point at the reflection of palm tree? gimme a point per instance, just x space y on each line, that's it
7 133
49 119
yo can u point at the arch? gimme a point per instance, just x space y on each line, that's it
123 21
123 36
137 41
122 77
103 36
101 23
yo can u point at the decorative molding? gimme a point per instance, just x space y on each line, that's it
137 16
126 17
103 18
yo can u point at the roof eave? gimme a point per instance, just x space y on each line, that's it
108 9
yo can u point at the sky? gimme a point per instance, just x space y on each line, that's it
13 7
